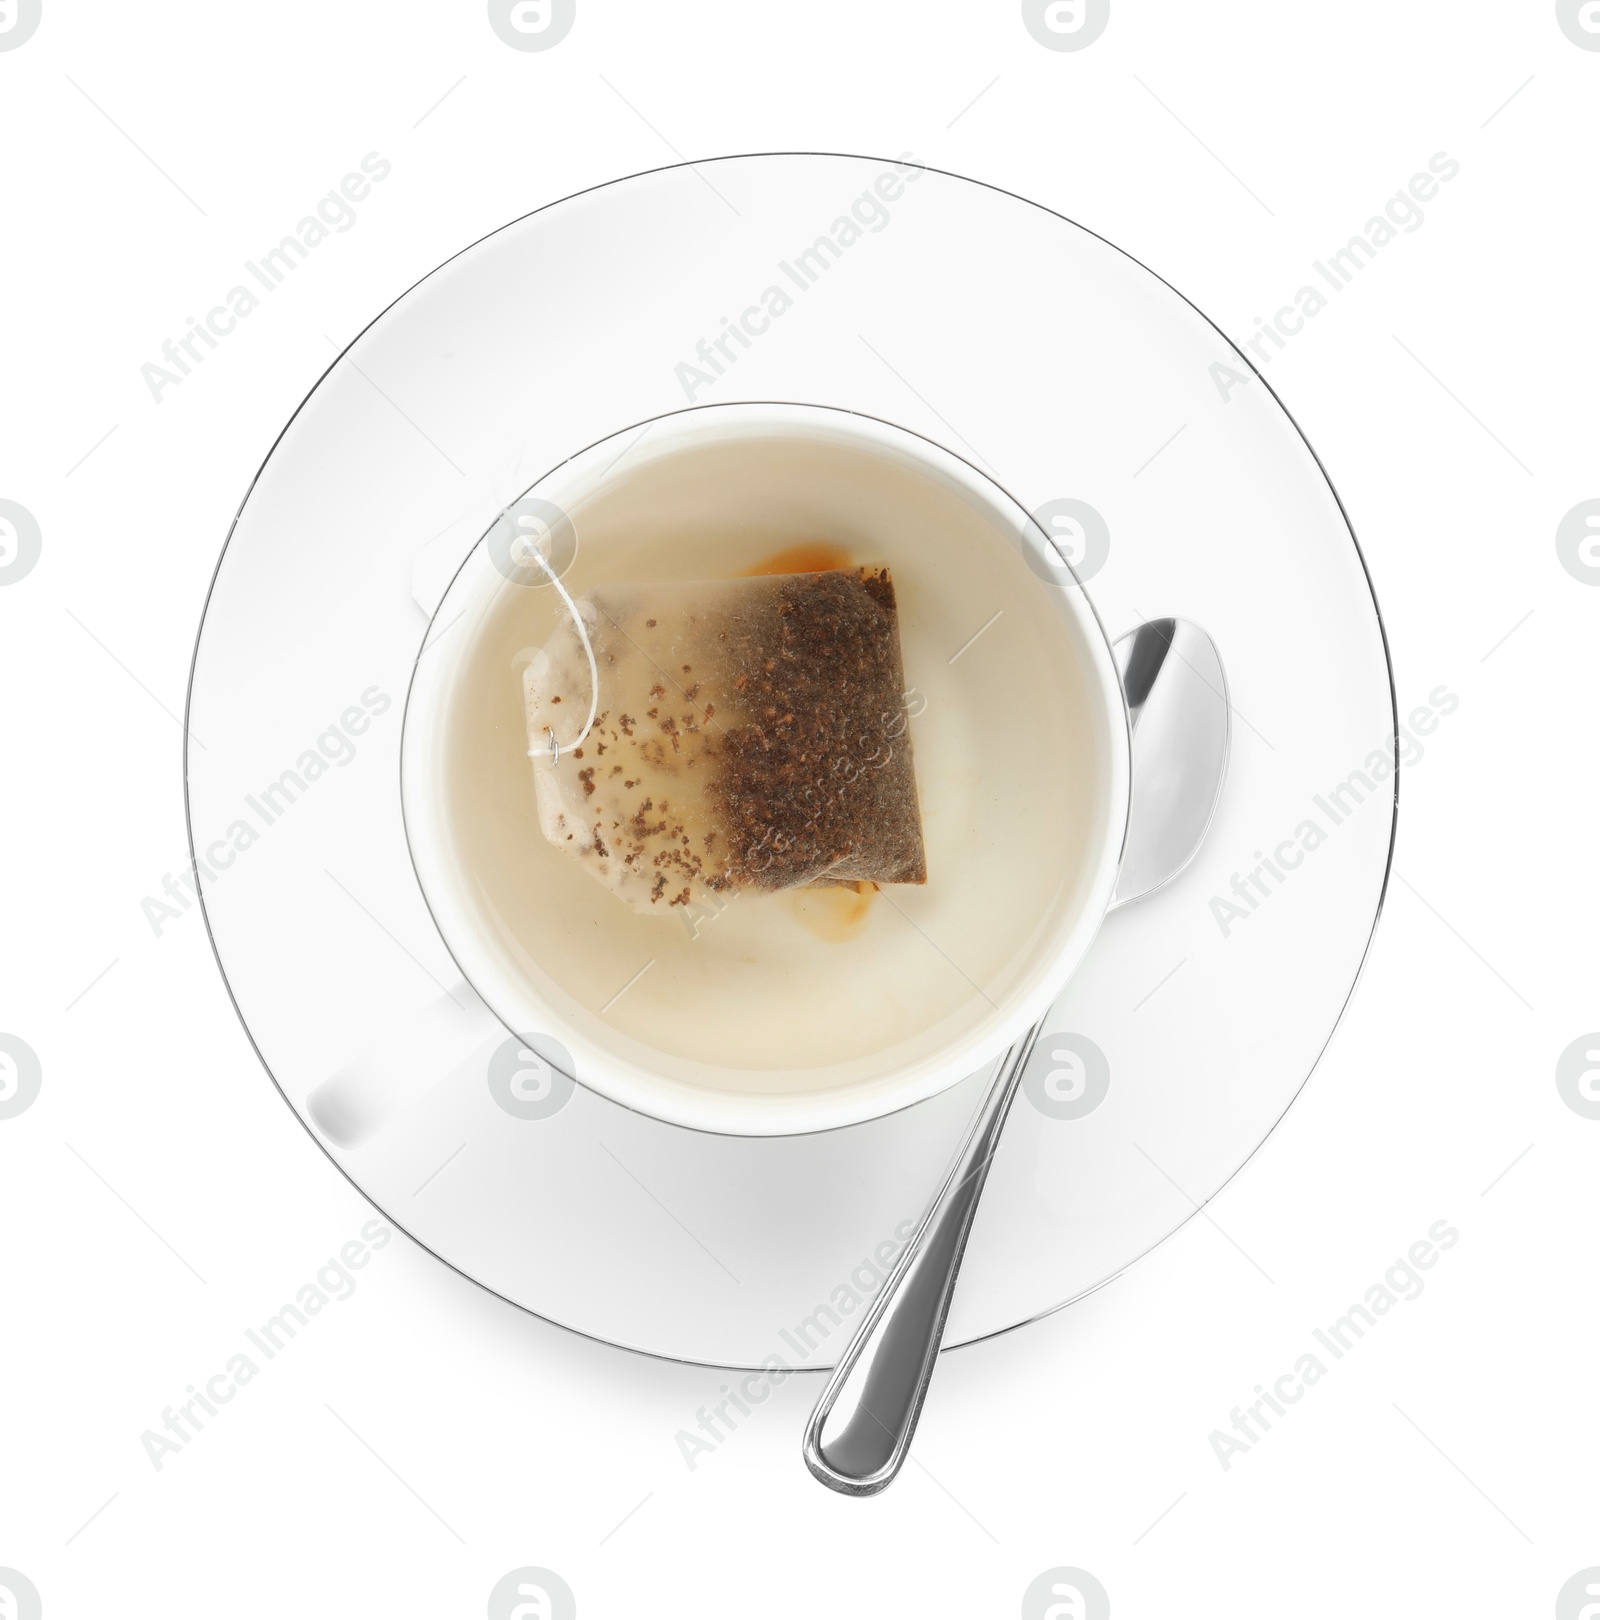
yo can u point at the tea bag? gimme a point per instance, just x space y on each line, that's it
749 735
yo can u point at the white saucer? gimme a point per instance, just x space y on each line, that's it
1019 341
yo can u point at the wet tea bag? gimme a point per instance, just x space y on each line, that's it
746 735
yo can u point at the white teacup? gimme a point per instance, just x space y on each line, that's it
783 1014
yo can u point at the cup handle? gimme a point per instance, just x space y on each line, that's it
356 1102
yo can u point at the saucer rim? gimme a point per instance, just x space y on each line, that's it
854 157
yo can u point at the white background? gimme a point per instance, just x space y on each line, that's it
424 1438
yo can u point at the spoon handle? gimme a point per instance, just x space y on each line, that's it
861 1428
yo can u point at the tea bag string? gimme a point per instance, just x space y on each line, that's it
554 753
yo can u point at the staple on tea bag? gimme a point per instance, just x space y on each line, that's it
748 735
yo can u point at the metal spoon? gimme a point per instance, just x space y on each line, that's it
861 1428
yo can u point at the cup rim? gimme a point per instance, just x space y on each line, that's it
749 1114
